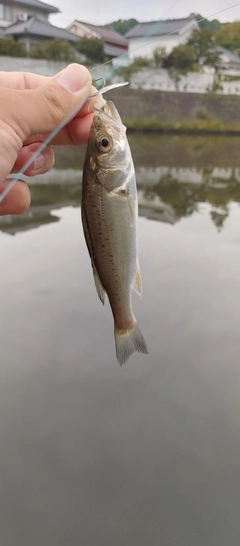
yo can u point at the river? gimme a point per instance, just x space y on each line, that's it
146 454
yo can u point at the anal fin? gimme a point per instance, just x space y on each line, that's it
137 283
98 284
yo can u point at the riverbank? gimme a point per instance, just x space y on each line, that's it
155 111
173 112
184 127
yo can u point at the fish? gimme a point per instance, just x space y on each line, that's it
109 212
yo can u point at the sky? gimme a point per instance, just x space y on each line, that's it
100 13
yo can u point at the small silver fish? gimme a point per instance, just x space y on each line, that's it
109 217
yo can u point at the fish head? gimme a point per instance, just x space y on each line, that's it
107 140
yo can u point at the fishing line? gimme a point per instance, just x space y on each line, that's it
165 36
14 178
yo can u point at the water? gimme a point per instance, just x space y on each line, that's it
147 454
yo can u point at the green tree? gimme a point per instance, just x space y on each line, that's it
213 25
229 36
93 48
180 58
204 45
158 57
56 50
123 25
138 64
9 46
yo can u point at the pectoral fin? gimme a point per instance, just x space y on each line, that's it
137 283
98 284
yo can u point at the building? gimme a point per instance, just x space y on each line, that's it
114 43
21 10
145 37
34 30
27 21
227 59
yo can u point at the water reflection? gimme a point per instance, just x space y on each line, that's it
45 198
166 194
147 454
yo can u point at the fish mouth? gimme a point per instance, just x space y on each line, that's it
109 114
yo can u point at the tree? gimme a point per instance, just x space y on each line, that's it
123 25
204 45
158 57
213 25
180 58
229 36
93 48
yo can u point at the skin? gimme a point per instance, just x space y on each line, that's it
31 107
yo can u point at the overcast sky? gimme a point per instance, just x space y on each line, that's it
100 12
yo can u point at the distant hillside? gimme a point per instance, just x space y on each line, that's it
122 25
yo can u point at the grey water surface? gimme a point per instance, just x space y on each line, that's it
148 454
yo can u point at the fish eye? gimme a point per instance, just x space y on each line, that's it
104 142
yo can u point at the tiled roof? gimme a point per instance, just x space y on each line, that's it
37 4
114 51
229 54
39 27
106 34
159 28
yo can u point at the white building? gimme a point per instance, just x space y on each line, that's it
145 37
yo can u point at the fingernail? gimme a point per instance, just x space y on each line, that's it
39 162
74 77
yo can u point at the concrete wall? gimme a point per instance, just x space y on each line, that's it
38 66
141 103
192 82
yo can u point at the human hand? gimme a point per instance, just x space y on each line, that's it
31 106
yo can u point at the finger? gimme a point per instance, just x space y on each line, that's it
29 112
75 133
17 200
41 164
42 109
21 80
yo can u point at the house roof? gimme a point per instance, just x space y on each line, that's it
37 4
113 51
159 28
106 34
231 56
38 27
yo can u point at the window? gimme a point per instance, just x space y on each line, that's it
8 12
5 12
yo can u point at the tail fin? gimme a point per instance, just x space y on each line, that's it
128 342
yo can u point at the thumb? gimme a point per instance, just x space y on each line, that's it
40 110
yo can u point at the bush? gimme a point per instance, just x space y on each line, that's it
158 57
93 48
9 46
55 50
180 58
138 64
